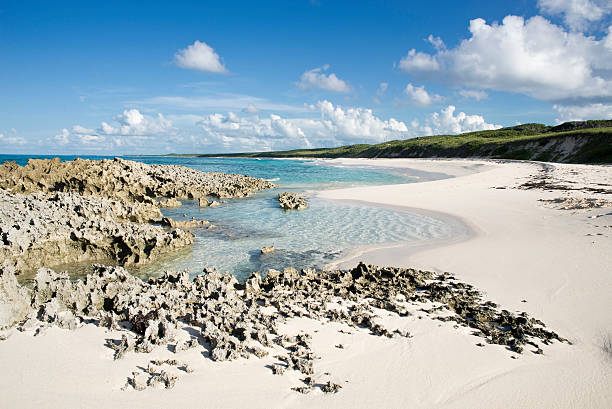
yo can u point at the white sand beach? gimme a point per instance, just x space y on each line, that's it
524 255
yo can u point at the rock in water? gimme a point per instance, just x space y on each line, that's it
267 249
290 201
171 202
184 224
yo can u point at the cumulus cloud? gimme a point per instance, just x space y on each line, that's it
132 122
335 125
447 122
582 113
12 138
127 128
419 61
81 129
234 132
358 124
533 57
316 78
473 94
419 96
63 137
577 14
325 125
199 56
436 42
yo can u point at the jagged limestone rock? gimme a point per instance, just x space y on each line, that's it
14 299
43 229
290 201
331 387
124 180
235 320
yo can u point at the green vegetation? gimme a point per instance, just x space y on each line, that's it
572 142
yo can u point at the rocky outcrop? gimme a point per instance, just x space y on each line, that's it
54 212
124 180
290 201
46 229
241 320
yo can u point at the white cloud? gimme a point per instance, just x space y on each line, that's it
132 122
286 127
436 42
358 124
236 133
12 139
577 14
335 126
325 125
446 122
81 129
419 96
473 94
63 137
88 139
418 61
581 113
316 78
199 56
251 109
129 128
533 57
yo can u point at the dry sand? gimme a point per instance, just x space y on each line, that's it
521 249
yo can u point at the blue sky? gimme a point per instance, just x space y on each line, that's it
154 77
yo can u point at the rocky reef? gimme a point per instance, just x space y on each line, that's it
124 180
290 201
46 229
233 320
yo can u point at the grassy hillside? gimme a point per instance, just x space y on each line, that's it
572 142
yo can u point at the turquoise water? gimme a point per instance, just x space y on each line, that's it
320 235
296 174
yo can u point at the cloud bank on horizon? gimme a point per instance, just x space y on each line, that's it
560 58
